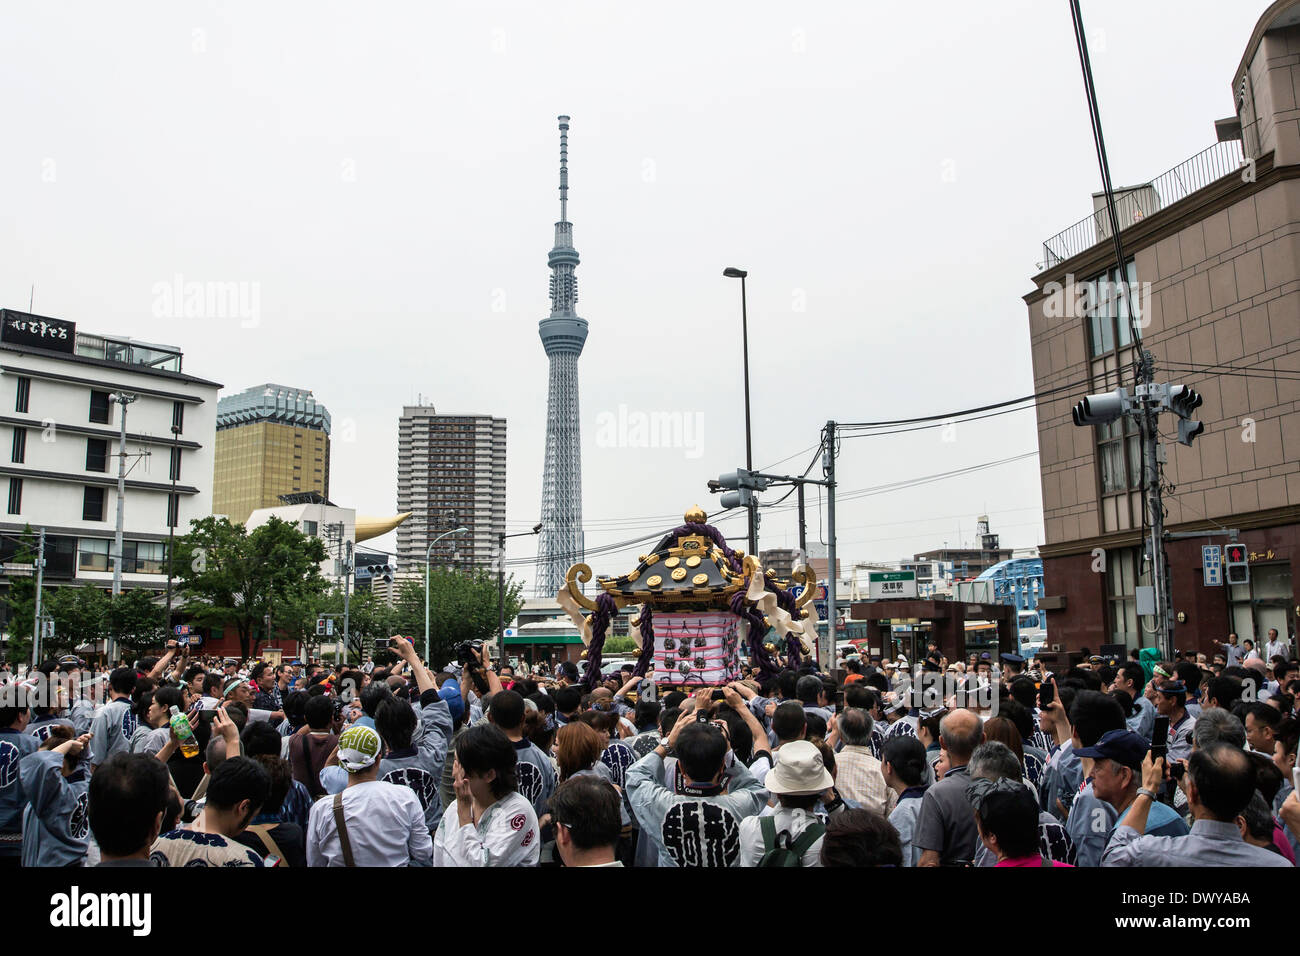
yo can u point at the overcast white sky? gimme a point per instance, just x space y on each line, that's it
384 177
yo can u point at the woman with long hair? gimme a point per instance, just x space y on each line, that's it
577 752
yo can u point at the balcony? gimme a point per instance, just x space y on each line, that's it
1136 203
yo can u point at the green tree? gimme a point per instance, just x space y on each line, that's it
135 622
79 617
20 601
462 607
296 617
235 577
370 621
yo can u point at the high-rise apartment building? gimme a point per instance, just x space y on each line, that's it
451 473
272 440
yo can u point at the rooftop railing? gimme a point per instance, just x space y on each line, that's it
1135 203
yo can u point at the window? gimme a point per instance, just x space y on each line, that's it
93 555
173 510
143 557
1122 578
96 454
1263 603
20 446
99 407
1107 310
15 496
92 504
1119 451
178 417
310 528
24 394
1109 335
174 472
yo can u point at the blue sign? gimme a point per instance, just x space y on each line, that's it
182 630
1212 565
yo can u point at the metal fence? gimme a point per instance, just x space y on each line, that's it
1134 204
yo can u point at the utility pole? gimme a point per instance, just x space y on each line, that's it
501 584
803 526
40 573
173 502
347 592
1152 452
828 468
123 400
1144 407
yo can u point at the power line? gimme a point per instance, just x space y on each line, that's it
1068 387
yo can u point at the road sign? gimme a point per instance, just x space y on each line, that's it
891 584
329 627
1212 565
182 630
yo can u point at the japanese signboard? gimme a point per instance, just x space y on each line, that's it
891 584
1212 566
21 328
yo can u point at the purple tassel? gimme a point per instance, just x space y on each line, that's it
600 618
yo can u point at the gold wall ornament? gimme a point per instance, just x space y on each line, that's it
633 575
700 578
693 561
809 578
695 515
650 559
654 581
679 574
579 573
672 562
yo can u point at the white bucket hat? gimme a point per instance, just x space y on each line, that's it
799 771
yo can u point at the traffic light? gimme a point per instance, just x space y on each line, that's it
380 572
320 627
739 487
1236 568
1183 401
1101 409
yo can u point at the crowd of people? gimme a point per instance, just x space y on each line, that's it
988 761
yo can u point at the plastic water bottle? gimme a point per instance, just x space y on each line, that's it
184 733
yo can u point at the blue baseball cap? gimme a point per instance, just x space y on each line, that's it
1122 746
450 692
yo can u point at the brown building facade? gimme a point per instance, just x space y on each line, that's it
1214 271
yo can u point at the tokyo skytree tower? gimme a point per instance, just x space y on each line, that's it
563 335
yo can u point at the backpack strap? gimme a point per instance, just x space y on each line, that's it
343 830
767 826
263 832
811 834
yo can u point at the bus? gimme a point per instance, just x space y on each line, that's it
1033 633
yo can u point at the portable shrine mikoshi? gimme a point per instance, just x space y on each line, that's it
702 603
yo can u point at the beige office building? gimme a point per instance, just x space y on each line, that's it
1214 249
272 440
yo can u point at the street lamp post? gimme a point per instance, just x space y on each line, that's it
123 400
428 554
731 272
